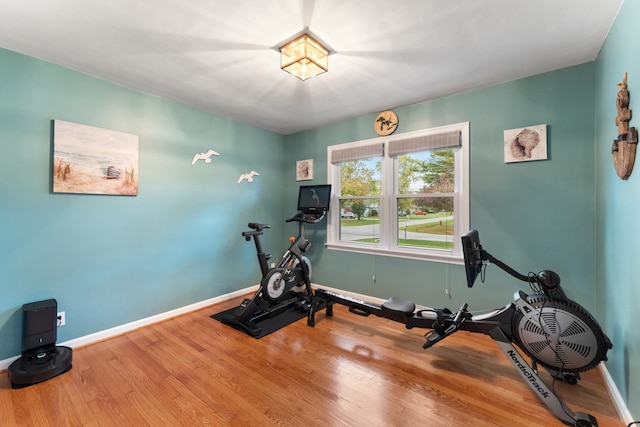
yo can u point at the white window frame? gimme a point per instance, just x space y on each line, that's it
388 206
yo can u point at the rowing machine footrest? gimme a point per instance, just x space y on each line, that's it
399 305
432 338
439 332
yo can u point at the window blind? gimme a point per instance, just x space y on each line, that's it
357 153
425 142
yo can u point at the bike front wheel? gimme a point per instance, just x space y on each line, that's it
274 284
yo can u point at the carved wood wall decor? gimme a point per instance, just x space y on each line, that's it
624 147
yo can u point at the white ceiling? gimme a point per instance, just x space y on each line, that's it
221 55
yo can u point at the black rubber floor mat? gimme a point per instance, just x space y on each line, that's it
264 327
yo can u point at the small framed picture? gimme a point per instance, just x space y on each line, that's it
304 170
525 144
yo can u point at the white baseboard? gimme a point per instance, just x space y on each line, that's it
619 402
4 364
621 406
118 330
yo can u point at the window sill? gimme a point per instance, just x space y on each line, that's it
444 257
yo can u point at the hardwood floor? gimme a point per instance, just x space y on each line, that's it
347 371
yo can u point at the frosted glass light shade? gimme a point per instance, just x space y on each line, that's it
304 57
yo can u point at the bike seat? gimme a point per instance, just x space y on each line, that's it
399 305
257 226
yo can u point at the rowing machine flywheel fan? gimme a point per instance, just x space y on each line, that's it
573 340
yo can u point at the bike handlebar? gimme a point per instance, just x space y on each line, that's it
301 217
306 217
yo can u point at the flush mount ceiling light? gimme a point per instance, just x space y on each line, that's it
304 57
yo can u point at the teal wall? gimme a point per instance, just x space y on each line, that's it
618 208
110 260
533 215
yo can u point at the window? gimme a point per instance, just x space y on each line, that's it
404 195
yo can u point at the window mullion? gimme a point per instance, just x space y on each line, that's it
392 225
387 189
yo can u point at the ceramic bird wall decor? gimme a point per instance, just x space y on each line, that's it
248 176
204 156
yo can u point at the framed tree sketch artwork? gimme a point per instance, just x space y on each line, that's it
304 170
525 144
91 160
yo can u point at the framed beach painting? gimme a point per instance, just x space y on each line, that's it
91 160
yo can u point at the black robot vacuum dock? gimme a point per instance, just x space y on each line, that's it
41 358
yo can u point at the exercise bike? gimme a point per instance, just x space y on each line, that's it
552 330
288 283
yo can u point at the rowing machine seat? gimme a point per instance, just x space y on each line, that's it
399 305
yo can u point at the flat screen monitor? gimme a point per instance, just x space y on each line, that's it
473 257
314 198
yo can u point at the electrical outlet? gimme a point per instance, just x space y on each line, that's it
61 319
